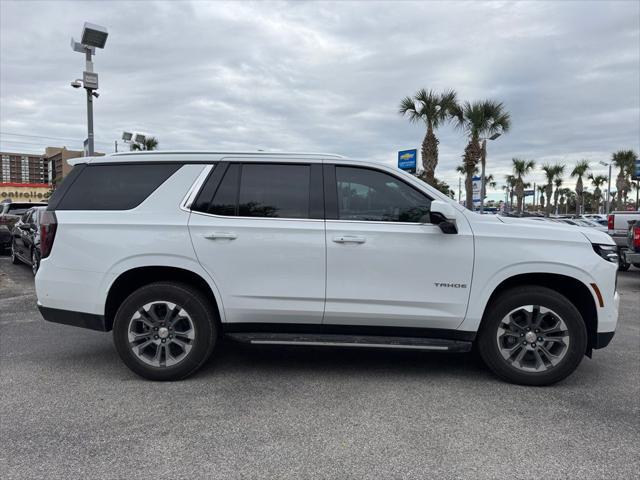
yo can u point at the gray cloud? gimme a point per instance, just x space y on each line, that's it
327 76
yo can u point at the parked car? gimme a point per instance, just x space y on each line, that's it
171 251
631 254
10 213
25 241
618 227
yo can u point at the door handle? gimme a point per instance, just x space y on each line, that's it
221 235
349 239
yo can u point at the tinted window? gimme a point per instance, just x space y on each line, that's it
371 195
269 190
225 200
263 190
114 187
17 211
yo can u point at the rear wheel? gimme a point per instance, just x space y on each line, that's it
532 336
165 331
622 265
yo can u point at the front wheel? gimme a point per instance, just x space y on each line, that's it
532 336
35 261
165 331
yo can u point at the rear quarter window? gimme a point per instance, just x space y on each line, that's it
114 187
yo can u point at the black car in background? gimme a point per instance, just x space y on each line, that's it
25 239
10 213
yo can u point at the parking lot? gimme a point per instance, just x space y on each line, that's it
70 409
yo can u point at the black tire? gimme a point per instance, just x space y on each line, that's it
623 267
637 265
35 261
544 297
198 308
14 258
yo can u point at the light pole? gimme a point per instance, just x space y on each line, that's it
605 164
93 36
484 161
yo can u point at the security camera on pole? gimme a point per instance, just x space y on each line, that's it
93 36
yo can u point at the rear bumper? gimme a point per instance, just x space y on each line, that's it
75 319
630 257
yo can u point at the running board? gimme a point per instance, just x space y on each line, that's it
358 341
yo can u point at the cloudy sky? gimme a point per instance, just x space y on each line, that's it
326 76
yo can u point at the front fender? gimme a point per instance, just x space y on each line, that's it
481 291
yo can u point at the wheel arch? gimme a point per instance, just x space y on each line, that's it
573 289
137 277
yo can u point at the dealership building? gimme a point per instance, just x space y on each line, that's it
26 177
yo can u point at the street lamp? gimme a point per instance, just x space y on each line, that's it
605 164
484 161
93 36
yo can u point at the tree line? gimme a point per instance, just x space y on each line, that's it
486 120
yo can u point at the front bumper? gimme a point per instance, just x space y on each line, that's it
603 339
75 319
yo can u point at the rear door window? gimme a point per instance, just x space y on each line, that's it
115 187
263 190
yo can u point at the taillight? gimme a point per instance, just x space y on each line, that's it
636 238
48 227
610 219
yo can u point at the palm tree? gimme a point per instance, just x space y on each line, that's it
551 172
509 183
557 181
490 180
625 161
150 143
597 181
479 119
520 169
579 171
433 109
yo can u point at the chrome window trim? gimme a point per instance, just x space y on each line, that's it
188 199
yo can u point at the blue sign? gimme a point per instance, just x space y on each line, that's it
529 193
407 160
637 172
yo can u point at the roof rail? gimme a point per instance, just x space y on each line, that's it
214 152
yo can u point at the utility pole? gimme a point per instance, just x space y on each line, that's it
93 36
459 189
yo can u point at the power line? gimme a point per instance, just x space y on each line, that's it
50 138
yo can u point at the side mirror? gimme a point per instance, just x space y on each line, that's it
443 215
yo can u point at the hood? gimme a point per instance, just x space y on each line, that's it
593 235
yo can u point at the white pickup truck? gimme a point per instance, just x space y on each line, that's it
618 228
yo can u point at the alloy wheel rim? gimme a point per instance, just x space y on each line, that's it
161 334
533 338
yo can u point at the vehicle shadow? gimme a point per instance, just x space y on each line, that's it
231 356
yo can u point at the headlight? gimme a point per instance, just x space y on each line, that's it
608 252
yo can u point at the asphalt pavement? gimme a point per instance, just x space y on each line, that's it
70 409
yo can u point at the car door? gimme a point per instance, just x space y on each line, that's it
20 231
387 266
258 230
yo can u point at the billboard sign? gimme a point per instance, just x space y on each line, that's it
529 193
476 189
408 160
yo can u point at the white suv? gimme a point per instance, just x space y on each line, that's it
173 250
